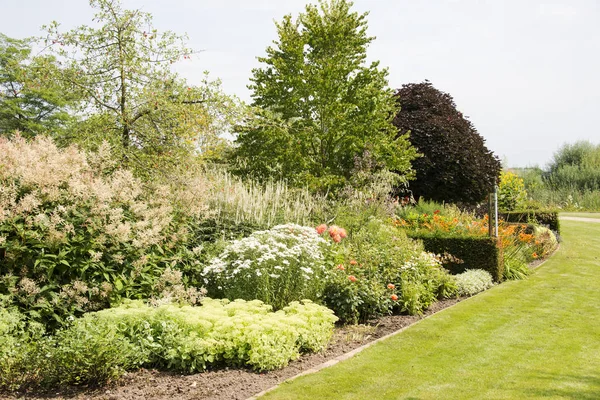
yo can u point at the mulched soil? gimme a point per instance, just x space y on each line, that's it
233 384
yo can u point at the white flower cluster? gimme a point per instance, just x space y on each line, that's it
473 281
423 259
271 253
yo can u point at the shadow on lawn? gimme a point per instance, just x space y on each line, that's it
580 387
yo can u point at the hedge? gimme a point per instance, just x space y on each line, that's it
549 218
476 252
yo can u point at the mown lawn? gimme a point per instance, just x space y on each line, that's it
538 338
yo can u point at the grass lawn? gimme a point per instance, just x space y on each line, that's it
537 338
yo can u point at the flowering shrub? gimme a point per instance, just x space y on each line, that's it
277 266
101 346
520 243
77 231
473 281
381 270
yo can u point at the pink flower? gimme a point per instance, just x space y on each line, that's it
321 228
353 262
352 278
391 286
341 267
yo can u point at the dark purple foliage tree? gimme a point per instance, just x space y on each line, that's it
456 166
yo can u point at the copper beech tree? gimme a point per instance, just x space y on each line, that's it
456 166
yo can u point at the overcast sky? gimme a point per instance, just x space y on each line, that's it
524 71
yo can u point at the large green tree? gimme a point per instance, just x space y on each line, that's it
122 69
320 106
32 101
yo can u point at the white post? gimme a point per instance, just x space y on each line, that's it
496 209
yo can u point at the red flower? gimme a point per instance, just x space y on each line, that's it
394 297
436 212
321 228
353 262
352 278
535 255
391 286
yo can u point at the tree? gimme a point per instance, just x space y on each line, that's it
319 106
456 165
31 101
122 69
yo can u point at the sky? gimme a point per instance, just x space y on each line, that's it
525 72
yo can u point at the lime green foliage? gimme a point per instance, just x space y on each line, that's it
511 191
534 339
319 107
473 281
32 101
101 346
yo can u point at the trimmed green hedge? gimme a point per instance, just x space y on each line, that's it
549 218
476 252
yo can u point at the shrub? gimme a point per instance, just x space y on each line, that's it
511 191
456 165
548 218
78 232
277 266
469 252
473 281
220 332
99 347
379 269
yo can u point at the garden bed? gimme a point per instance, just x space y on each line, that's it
229 384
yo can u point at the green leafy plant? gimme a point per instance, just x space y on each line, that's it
473 281
319 105
511 191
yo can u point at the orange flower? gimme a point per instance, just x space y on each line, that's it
343 233
341 267
337 238
535 255
353 262
334 230
391 286
321 228
352 278
394 297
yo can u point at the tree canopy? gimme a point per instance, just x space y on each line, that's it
121 68
319 106
456 165
32 100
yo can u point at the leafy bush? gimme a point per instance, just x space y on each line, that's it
101 346
473 281
277 266
548 218
456 165
78 232
379 269
511 191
